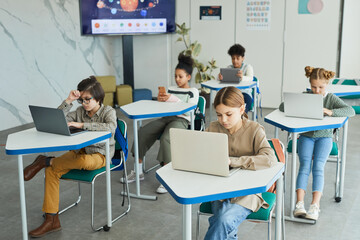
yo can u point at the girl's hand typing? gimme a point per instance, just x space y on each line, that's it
73 95
328 112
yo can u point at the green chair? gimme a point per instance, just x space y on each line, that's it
353 82
261 216
199 122
89 177
334 157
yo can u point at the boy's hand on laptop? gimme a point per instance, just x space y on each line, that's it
220 77
239 74
76 124
73 95
328 112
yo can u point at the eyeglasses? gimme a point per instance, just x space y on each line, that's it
85 100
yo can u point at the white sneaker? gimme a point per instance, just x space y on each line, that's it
313 212
132 176
161 189
299 209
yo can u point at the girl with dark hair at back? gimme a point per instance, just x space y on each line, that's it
248 149
92 115
160 127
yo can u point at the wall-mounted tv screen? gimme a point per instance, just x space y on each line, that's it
127 16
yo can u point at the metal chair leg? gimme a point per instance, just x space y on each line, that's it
74 204
150 169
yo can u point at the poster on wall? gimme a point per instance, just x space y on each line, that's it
258 15
210 12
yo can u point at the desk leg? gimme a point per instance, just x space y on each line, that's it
276 134
108 183
22 197
187 222
343 163
255 105
136 152
279 206
210 105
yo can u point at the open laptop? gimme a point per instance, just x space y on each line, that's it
52 120
303 105
229 75
201 152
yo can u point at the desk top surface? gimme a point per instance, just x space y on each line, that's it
190 188
152 109
293 124
32 141
216 85
343 90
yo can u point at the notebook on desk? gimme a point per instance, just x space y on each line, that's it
201 152
52 120
229 75
303 105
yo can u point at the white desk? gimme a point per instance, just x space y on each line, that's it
190 188
147 109
298 125
31 141
215 85
343 90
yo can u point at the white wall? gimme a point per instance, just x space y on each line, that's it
43 56
310 39
350 47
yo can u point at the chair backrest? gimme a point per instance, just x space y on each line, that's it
200 114
279 153
121 143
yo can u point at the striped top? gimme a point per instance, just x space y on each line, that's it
187 95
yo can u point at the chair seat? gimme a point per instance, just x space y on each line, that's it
334 150
261 214
357 109
84 175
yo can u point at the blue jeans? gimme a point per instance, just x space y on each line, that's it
226 220
315 151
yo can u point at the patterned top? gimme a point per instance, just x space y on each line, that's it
339 108
103 120
187 95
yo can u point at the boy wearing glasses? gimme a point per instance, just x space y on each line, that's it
92 115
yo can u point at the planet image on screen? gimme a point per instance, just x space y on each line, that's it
127 6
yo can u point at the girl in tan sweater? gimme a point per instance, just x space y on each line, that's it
248 149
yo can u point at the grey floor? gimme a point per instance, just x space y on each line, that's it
162 219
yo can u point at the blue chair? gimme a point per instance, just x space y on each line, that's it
261 216
89 177
255 94
199 122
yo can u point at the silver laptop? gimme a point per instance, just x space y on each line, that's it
229 75
303 105
201 152
52 120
